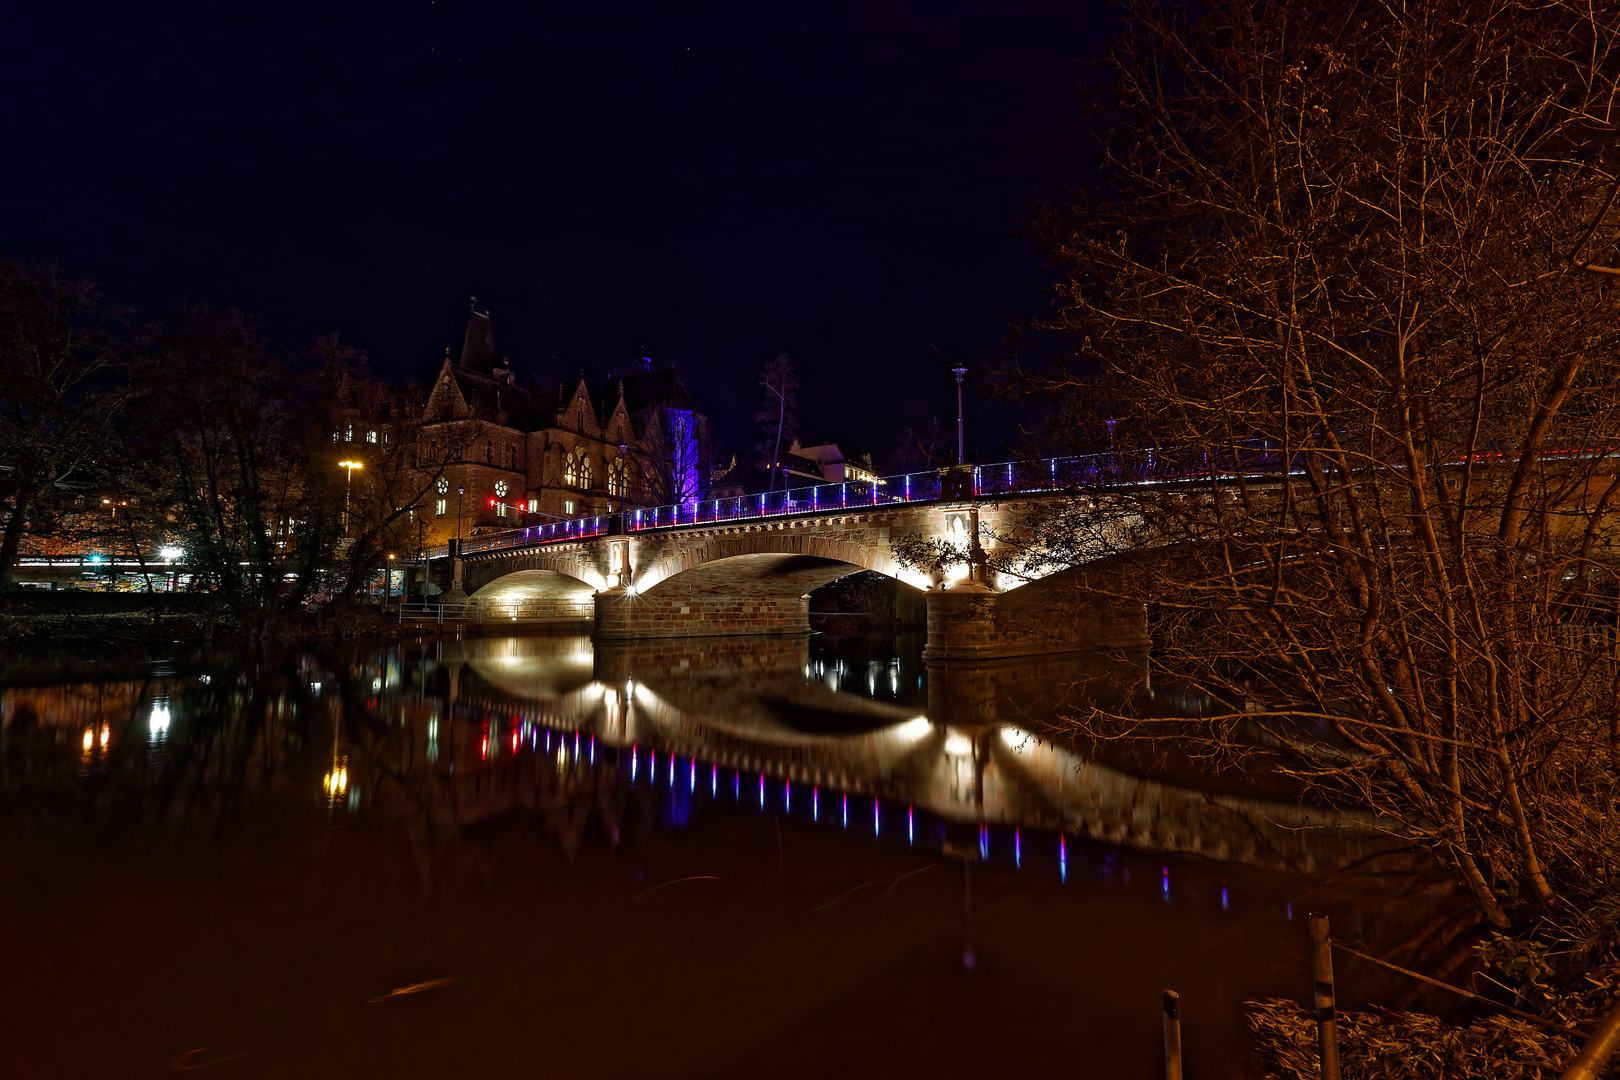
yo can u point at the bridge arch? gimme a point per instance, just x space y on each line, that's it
536 584
777 557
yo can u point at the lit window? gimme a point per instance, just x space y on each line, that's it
577 470
438 507
568 506
348 433
371 437
534 506
500 489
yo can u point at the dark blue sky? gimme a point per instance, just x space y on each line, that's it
707 184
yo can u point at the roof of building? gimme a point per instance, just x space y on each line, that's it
478 347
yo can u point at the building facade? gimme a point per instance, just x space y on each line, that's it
526 455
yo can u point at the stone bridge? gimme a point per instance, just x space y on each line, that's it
751 573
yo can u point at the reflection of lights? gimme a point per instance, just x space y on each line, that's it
787 796
336 782
958 745
158 723
1018 849
846 809
106 736
911 832
1164 877
912 730
672 768
815 804
89 739
984 841
714 782
593 751
1063 859
876 821
433 738
691 781
1226 900
633 759
762 791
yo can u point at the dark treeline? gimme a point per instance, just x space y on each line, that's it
192 431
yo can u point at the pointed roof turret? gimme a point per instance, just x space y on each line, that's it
478 349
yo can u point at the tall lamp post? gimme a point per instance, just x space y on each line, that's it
348 483
459 493
961 455
624 475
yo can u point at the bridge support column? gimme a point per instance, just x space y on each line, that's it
969 622
624 615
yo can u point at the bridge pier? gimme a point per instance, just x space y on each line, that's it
969 622
623 615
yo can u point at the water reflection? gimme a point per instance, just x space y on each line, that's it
459 732
312 796
464 726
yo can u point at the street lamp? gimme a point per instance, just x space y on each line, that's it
961 456
348 483
388 582
624 475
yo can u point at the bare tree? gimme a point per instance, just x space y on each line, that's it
1333 285
63 361
776 417
668 465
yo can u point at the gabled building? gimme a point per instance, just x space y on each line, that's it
528 454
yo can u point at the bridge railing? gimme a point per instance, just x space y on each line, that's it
552 532
931 485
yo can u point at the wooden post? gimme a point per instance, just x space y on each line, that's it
1172 1035
1327 1024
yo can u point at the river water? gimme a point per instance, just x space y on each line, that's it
715 857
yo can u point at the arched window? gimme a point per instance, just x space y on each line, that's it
489 451
511 458
615 477
577 472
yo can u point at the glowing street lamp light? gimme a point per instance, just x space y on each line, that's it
347 484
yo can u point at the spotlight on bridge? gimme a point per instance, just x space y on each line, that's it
170 553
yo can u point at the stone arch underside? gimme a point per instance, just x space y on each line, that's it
523 586
759 575
668 559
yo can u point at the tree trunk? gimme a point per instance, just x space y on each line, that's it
11 542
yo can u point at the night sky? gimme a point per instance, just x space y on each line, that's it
705 184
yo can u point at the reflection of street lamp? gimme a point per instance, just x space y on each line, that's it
961 456
347 484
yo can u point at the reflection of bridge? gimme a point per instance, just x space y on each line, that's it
745 566
707 705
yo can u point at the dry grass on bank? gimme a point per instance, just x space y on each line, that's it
1417 1046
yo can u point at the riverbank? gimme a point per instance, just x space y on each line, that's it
89 620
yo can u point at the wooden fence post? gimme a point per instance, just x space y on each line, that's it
1172 1035
1327 1023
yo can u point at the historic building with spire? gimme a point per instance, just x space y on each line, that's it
526 455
